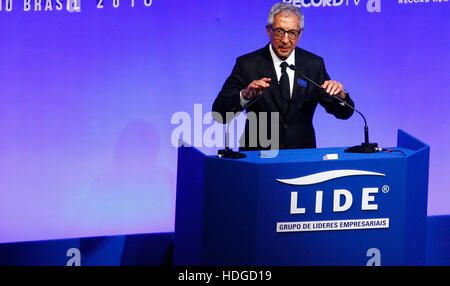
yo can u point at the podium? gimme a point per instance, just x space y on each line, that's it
299 209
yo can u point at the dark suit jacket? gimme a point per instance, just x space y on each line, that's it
295 126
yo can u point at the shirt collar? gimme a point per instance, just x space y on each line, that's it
277 61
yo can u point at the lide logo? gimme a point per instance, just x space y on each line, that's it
342 201
371 5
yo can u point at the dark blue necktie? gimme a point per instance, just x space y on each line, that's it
285 87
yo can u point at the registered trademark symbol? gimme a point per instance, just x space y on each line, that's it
385 189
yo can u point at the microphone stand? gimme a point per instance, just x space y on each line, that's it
229 153
365 147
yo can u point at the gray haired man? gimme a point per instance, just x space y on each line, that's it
294 99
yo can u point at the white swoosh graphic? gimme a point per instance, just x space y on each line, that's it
326 176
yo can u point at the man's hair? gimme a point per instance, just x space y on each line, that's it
287 9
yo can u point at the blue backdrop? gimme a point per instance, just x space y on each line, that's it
88 98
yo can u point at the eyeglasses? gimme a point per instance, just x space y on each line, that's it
279 33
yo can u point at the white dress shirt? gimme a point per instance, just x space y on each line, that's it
290 61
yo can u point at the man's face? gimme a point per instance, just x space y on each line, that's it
284 45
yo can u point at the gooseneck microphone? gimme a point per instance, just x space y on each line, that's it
365 147
252 101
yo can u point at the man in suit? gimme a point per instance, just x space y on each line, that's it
288 96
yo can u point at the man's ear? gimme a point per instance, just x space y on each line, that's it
268 31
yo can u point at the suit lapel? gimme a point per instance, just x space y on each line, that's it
298 66
300 93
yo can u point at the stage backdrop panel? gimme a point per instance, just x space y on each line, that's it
87 98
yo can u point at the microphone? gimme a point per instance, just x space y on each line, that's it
365 147
252 101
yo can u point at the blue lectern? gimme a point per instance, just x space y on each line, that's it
303 207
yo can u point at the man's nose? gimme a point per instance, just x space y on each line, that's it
285 38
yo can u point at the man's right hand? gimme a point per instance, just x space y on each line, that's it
256 88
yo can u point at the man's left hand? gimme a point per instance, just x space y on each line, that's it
334 88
